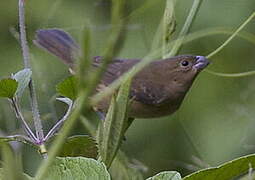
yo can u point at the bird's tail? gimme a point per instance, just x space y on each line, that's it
58 43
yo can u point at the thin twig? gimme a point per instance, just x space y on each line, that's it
24 123
232 36
20 138
57 126
26 58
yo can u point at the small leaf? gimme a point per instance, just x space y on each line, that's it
166 175
229 170
23 78
8 87
68 87
78 168
83 146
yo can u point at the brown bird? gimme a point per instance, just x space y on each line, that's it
157 90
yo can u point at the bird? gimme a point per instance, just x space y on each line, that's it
157 90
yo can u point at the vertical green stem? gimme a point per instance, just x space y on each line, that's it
26 58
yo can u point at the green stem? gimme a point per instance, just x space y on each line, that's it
232 36
26 58
23 121
232 75
186 27
80 106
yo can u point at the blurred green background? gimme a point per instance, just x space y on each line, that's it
216 120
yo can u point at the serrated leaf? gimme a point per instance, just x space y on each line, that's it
114 125
68 87
226 171
166 175
82 145
23 78
8 87
77 168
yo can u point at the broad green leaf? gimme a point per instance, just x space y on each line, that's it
3 175
114 125
166 175
8 87
23 78
123 169
228 170
77 168
82 145
68 87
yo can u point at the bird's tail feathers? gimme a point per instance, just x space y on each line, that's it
58 43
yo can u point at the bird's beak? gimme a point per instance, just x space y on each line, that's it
201 63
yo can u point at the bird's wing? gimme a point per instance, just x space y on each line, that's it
115 69
142 90
150 94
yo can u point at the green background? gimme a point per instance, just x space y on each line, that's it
216 120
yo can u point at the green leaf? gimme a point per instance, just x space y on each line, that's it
123 169
82 145
11 167
68 87
166 175
114 125
8 87
78 168
3 175
227 171
23 78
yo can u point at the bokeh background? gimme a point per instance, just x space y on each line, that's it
216 120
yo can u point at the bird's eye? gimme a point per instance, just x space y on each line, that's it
185 63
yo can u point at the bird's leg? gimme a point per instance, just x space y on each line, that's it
101 115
